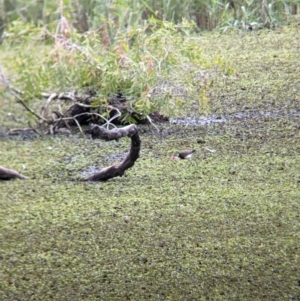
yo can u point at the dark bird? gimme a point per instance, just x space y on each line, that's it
184 155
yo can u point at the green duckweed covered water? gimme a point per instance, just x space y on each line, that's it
222 226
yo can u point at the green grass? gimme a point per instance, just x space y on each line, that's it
223 226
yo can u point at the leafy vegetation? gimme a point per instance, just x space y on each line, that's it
115 14
223 226
159 67
147 50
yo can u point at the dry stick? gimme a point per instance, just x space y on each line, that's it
16 130
34 129
57 121
79 126
45 107
16 93
113 118
61 113
22 102
150 120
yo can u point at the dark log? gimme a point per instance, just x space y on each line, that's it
8 174
117 170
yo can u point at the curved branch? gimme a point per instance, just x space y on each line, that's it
117 170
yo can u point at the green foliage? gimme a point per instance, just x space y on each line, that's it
207 14
228 220
223 226
255 13
158 66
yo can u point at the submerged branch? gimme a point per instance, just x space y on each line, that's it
117 170
8 174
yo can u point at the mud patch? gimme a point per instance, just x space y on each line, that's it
198 121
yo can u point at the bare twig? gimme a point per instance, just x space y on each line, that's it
22 102
45 107
17 130
61 114
6 84
150 120
35 130
16 93
78 126
111 108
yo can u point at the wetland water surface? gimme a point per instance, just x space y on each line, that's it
222 226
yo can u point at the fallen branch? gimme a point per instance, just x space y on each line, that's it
8 174
16 131
22 102
117 170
